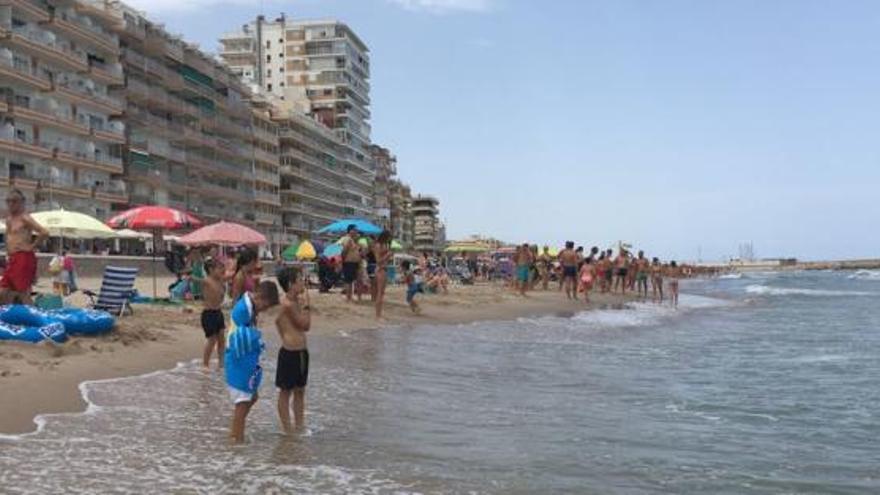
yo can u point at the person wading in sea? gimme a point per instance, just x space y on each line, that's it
569 260
23 235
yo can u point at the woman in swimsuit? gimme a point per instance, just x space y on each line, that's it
586 277
243 280
657 280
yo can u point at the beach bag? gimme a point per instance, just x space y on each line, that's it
56 265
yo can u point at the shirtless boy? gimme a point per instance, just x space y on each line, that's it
21 262
213 323
292 373
351 261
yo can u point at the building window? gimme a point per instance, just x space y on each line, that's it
268 44
268 72
268 58
282 84
269 87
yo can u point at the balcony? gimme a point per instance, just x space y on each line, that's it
104 10
25 147
34 42
214 166
21 73
80 33
55 121
264 218
267 177
267 198
108 74
110 135
131 28
113 191
90 98
33 11
83 160
265 156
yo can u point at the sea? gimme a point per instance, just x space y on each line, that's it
758 383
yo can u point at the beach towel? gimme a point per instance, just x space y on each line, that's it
243 349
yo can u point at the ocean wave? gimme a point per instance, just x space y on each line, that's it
873 275
765 290
731 276
643 314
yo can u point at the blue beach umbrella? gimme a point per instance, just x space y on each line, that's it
341 226
332 250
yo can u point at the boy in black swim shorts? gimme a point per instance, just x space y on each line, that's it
292 373
213 323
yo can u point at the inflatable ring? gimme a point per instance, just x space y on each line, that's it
73 321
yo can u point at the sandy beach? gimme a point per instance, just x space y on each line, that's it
45 378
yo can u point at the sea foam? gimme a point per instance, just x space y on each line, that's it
765 290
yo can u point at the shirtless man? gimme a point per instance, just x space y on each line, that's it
292 373
523 260
21 262
351 261
569 260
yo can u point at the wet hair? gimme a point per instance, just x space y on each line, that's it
580 249
287 276
672 264
18 193
569 245
245 257
268 291
641 254
350 228
655 260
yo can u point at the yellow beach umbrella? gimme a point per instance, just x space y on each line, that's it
306 251
72 224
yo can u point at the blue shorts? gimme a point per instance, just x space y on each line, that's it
412 290
522 273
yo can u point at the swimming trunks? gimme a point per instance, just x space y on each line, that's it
569 271
621 272
642 277
522 273
212 322
412 290
293 369
609 274
349 271
21 271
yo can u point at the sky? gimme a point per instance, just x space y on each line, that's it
683 127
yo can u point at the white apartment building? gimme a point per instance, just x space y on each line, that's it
61 135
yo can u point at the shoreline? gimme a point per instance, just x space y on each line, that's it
46 379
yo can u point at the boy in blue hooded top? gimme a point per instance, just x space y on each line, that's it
243 350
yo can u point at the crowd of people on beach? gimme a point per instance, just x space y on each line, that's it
578 273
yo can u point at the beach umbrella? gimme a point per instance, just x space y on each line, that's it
332 250
72 224
306 251
132 234
223 234
341 226
157 219
289 252
396 246
552 251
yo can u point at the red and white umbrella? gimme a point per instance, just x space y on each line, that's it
224 234
157 219
154 218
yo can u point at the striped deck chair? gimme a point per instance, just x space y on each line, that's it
116 290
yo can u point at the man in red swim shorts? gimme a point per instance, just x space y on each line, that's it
21 262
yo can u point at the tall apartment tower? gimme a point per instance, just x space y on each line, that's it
190 140
318 68
61 134
428 232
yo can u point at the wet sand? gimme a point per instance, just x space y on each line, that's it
45 378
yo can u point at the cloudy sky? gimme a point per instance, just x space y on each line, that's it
684 127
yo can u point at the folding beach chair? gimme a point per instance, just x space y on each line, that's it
116 290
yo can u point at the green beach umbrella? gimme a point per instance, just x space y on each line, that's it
289 252
396 246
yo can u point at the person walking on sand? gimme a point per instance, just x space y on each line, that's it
382 254
569 260
523 262
413 281
351 261
23 235
621 263
657 280
292 372
213 323
587 275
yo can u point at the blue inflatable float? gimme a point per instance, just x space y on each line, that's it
19 322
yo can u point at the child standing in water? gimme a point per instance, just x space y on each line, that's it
213 323
292 373
243 370
586 276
